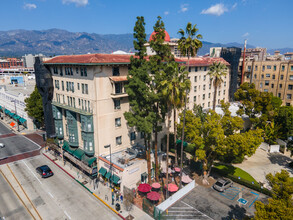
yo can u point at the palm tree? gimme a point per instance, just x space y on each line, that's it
188 45
173 89
216 72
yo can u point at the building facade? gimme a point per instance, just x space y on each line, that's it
88 108
274 76
12 106
202 89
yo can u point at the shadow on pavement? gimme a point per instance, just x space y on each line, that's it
236 212
281 160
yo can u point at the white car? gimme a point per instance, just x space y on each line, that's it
2 145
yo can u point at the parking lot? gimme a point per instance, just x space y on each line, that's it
207 203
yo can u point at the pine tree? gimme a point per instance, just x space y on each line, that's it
141 114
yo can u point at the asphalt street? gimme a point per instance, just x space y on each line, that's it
206 203
59 196
15 144
4 129
10 206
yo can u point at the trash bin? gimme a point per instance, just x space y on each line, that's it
117 206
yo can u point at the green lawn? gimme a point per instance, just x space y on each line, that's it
235 171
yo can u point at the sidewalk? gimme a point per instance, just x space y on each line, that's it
6 122
103 192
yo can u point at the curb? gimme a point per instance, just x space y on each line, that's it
59 166
117 213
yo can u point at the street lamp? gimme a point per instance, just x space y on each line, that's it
16 114
109 146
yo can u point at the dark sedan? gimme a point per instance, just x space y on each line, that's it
44 171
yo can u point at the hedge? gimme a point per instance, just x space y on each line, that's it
242 181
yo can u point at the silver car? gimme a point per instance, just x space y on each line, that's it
222 184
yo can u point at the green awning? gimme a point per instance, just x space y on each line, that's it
71 150
11 114
184 143
16 117
22 120
89 160
65 146
0 107
108 175
103 171
7 111
78 153
115 179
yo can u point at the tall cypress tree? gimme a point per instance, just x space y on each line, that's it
158 66
140 115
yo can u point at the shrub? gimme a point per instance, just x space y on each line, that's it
246 179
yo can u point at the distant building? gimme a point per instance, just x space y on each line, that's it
10 63
232 56
12 105
29 59
288 56
275 76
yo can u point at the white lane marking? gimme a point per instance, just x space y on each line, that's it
67 214
51 194
196 209
32 141
184 211
32 172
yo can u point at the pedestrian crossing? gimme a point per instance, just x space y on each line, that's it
183 210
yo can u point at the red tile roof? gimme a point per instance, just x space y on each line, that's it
90 58
94 59
204 61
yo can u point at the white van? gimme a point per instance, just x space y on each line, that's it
2 145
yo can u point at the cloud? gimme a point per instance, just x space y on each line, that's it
245 35
29 6
78 3
183 8
234 6
217 9
166 13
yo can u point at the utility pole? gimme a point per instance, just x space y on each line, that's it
243 62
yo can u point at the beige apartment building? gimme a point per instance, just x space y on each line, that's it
88 105
275 76
202 89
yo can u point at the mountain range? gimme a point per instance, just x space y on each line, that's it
16 43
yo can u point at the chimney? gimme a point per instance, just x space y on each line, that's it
277 53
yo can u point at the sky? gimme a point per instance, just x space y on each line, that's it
264 23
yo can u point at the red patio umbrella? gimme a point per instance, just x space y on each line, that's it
154 196
177 169
144 187
156 185
172 187
186 179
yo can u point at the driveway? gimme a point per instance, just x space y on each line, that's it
206 203
262 163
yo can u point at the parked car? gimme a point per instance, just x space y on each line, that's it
44 171
222 184
2 145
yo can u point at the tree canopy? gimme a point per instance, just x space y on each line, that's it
281 205
34 106
218 137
